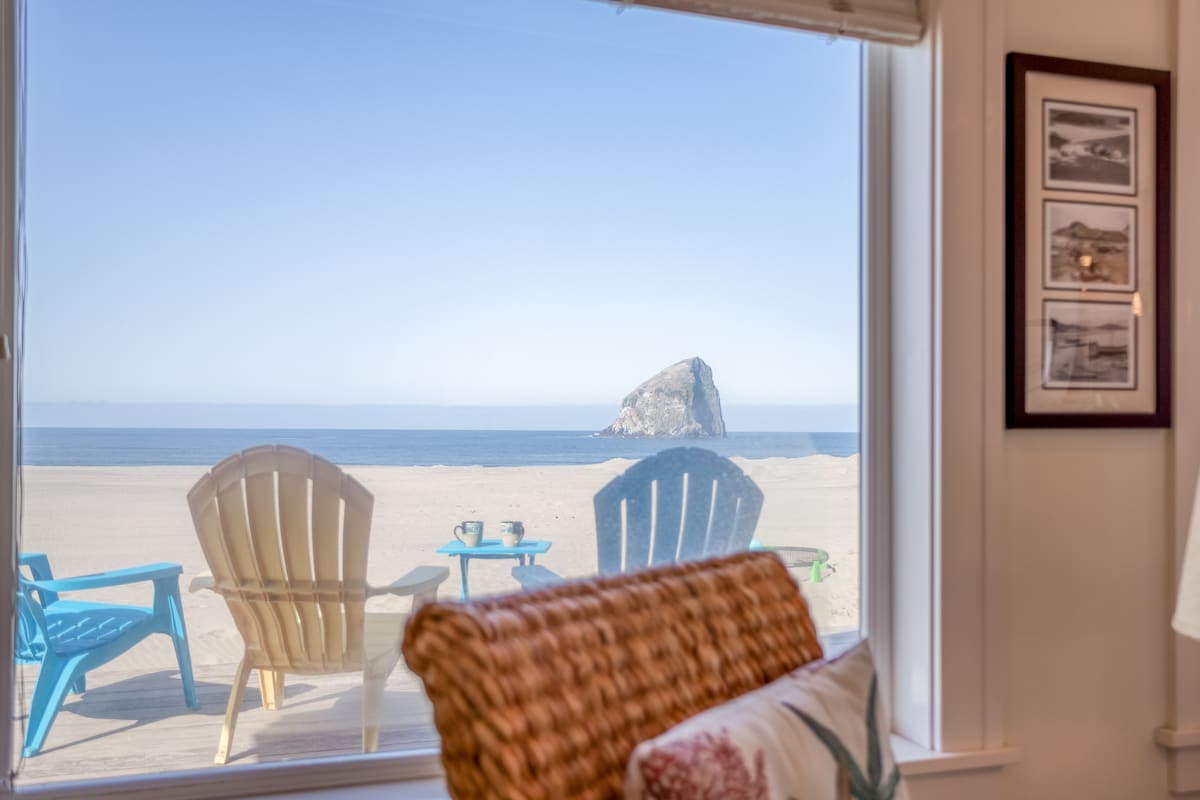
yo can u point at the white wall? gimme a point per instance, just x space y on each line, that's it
1086 516
1087 612
1089 526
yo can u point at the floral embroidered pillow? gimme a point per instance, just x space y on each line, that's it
819 733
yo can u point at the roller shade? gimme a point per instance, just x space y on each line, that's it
896 21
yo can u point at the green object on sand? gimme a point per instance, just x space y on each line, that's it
812 559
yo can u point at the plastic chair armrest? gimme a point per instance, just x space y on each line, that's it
116 577
38 564
535 576
418 581
204 580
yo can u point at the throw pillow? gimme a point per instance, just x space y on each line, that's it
818 733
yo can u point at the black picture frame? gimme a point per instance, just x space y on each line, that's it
1023 277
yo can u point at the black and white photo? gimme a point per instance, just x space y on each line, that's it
1089 345
1090 148
1090 246
1088 311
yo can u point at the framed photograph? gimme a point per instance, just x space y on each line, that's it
1089 345
1089 148
1089 246
1088 181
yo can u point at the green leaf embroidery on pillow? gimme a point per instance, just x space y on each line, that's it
861 787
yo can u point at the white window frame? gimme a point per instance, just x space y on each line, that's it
10 55
945 106
930 573
937 648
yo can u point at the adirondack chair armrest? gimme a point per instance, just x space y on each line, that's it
535 576
418 582
204 580
117 577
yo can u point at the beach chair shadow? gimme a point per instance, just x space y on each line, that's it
681 504
330 727
144 699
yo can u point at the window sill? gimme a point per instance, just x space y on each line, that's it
1177 738
915 760
1182 746
429 789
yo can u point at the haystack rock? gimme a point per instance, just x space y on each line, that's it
681 402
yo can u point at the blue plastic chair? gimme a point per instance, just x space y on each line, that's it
67 638
680 504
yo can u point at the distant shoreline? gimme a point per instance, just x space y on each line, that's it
794 418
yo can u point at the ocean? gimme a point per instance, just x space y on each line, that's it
140 447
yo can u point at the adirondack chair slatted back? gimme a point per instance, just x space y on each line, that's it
679 505
285 534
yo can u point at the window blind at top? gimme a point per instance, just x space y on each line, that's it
896 21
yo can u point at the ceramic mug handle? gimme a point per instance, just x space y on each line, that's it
458 528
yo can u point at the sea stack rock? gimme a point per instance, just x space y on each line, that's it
681 402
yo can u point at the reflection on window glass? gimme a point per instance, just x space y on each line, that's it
457 278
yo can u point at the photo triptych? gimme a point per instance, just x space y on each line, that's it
1089 247
1088 239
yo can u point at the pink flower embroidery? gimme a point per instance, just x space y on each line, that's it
702 767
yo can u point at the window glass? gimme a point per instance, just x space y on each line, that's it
483 257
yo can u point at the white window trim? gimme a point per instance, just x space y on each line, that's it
381 769
10 56
947 426
936 613
876 425
875 378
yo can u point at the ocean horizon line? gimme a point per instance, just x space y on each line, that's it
125 446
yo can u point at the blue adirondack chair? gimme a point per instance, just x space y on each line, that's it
681 504
67 638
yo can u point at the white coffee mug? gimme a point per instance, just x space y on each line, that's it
469 533
511 533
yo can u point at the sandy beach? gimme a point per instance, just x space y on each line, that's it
90 519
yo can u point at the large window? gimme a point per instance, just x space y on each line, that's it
443 245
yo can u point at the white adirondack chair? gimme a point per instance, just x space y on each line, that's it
285 534
677 505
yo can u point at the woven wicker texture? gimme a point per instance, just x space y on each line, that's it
545 694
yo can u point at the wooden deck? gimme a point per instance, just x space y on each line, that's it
129 723
132 723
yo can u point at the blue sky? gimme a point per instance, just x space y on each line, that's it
434 202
